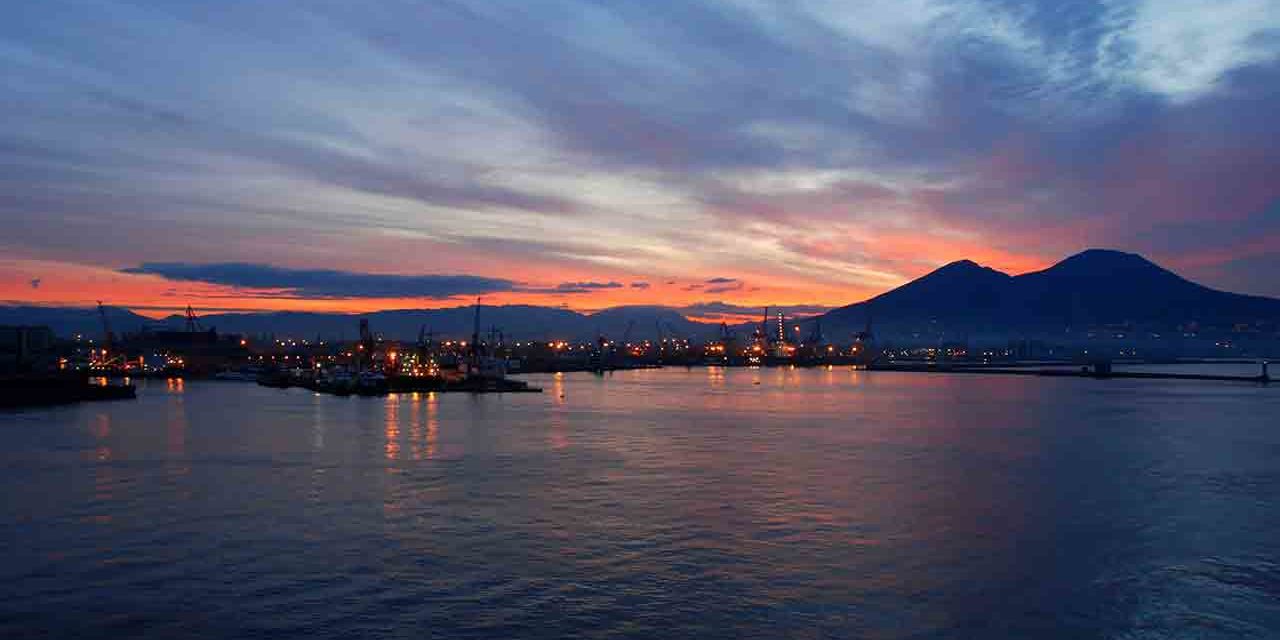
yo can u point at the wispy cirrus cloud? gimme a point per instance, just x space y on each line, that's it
838 147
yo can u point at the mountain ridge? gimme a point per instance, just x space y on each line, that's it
1095 287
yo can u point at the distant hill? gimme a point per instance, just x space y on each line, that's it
515 321
962 299
68 321
1090 289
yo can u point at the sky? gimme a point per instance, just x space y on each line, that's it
351 156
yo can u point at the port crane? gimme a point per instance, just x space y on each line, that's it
815 335
108 340
475 336
484 365
607 350
193 322
863 341
106 325
366 336
659 346
365 348
761 337
626 335
865 335
674 332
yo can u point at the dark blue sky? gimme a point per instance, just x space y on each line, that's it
805 152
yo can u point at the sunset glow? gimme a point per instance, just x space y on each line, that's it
590 157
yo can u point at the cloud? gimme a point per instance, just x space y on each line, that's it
722 285
1182 49
719 309
35 283
822 142
640 285
715 285
585 287
589 285
325 283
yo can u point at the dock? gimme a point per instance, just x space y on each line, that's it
39 391
404 384
1095 372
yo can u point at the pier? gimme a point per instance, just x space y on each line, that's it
1095 371
39 391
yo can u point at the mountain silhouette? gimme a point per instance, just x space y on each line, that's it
516 322
1094 288
66 322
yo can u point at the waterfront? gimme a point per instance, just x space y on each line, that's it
703 502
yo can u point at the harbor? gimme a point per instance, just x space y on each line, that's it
375 369
48 370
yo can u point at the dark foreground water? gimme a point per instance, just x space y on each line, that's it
653 504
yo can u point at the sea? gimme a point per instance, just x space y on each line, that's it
671 503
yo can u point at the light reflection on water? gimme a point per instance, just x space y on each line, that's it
703 502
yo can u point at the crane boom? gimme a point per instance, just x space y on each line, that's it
475 334
607 350
193 323
106 326
626 335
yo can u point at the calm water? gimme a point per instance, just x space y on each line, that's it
650 504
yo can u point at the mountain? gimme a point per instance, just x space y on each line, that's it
517 322
962 299
646 323
964 288
401 324
69 321
1095 288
